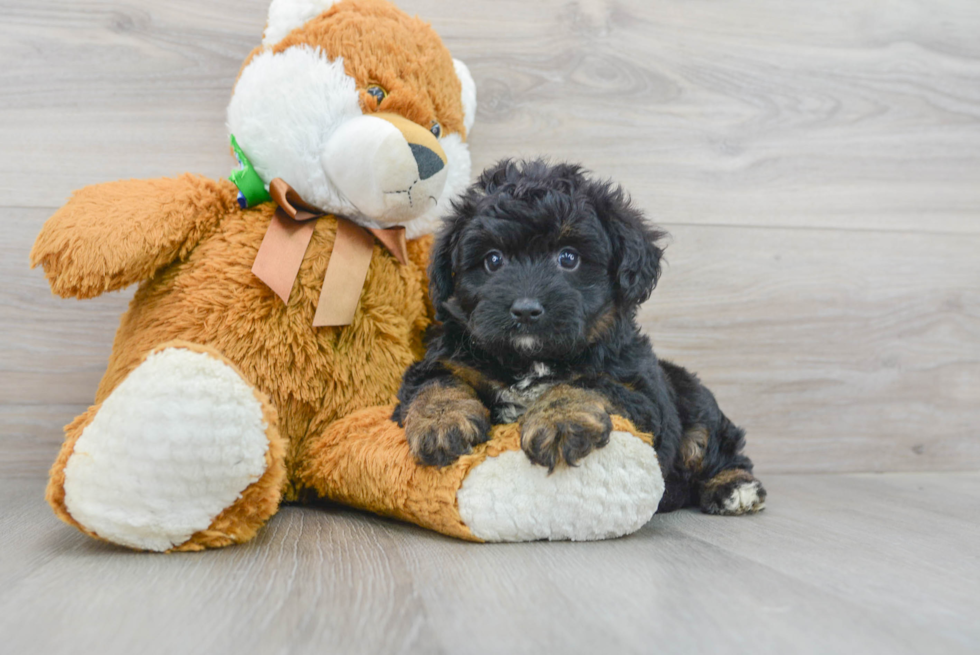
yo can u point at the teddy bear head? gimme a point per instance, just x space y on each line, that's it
358 107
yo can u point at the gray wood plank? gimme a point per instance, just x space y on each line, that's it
31 436
903 544
842 563
306 579
838 351
750 112
54 350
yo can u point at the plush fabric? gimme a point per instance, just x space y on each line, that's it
220 400
381 44
282 96
85 252
363 460
181 498
135 449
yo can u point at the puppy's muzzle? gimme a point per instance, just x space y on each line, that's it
391 169
526 310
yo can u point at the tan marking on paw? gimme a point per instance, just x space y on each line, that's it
472 377
444 422
725 477
564 425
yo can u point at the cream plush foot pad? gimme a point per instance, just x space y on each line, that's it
170 448
613 492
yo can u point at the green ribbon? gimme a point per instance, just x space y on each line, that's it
251 188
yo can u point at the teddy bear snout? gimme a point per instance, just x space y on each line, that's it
391 169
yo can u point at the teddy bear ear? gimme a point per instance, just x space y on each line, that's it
287 15
468 94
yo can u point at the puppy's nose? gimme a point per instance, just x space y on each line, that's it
526 310
428 161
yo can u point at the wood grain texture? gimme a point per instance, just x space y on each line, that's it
838 351
818 165
831 566
30 438
761 112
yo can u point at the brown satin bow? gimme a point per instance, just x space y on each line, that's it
281 254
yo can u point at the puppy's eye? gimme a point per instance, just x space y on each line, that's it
377 93
493 261
568 259
436 129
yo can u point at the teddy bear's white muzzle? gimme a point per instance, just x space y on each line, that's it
390 169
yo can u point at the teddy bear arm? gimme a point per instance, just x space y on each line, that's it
111 235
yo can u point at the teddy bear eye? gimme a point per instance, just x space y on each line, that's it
493 261
568 259
377 92
436 129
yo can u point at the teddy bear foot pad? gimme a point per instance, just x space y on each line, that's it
173 446
612 492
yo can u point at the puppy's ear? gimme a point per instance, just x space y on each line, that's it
636 253
442 260
441 282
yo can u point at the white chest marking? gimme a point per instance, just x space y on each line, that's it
515 399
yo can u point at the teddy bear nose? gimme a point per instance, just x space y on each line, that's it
429 163
526 310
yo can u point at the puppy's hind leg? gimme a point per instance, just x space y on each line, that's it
726 485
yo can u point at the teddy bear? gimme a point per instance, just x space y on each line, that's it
278 309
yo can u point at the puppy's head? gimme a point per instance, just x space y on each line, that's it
539 260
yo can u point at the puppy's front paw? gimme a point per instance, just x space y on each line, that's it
444 422
564 424
732 493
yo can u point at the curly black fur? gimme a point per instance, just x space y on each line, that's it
586 334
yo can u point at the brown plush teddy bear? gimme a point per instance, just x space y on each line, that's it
260 356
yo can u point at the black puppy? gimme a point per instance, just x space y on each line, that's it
536 278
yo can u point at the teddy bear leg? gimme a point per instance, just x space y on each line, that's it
494 493
184 454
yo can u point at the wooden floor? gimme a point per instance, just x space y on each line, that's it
818 167
874 563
